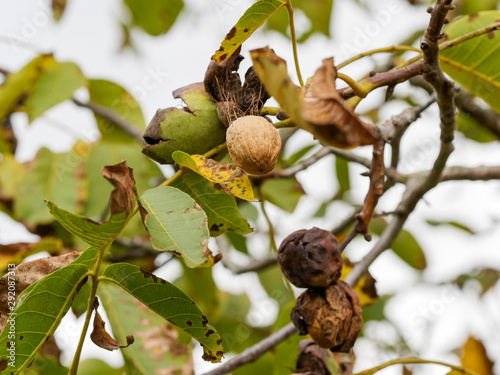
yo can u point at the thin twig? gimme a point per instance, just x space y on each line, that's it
256 265
254 352
486 117
112 116
292 171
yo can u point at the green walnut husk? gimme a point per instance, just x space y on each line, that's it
194 129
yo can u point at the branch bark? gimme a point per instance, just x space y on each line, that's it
112 116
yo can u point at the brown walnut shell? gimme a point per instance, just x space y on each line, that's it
332 316
312 359
310 258
253 144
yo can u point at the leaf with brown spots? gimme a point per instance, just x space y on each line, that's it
26 274
161 297
250 21
16 252
42 305
101 337
233 179
221 209
177 224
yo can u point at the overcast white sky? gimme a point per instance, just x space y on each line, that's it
434 320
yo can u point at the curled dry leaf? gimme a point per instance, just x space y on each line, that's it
26 274
324 108
123 196
103 339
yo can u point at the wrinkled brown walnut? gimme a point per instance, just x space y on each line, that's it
310 258
332 316
312 359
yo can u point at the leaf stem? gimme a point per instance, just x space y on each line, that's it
375 51
90 307
358 89
288 123
268 220
413 360
289 8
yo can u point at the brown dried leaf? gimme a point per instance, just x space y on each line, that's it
16 252
103 339
26 274
123 196
323 107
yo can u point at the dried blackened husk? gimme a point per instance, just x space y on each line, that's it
332 316
310 258
233 100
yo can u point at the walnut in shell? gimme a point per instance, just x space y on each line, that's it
311 258
332 316
254 144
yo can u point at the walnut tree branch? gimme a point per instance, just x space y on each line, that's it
112 116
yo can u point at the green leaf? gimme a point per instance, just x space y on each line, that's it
169 302
299 154
376 311
455 224
231 178
251 20
238 241
404 246
94 366
318 12
154 338
41 307
472 129
284 193
486 277
177 224
342 172
275 285
474 63
154 16
116 98
53 86
221 209
18 84
43 365
50 177
99 235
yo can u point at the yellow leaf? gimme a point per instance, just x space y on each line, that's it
475 358
365 288
231 178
